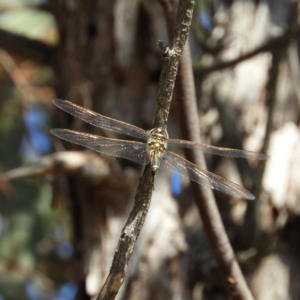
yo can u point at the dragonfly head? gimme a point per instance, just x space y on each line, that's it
159 132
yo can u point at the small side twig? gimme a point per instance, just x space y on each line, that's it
64 162
130 232
270 45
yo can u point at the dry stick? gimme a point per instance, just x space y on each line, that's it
63 162
138 214
206 203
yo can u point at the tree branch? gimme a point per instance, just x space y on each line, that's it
138 214
205 200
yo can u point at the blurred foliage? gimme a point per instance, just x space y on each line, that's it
34 252
22 17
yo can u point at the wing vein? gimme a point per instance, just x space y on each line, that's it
100 121
181 166
228 152
134 151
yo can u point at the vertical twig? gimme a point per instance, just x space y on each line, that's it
130 232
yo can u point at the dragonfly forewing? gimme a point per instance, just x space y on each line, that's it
181 166
131 150
228 152
100 121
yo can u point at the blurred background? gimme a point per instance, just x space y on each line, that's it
62 207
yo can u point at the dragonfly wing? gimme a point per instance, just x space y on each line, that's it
178 164
134 151
100 121
228 152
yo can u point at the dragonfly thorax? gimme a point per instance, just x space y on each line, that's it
157 145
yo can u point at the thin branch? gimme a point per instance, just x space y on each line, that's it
270 45
206 203
138 214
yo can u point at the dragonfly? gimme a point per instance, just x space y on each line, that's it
152 149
